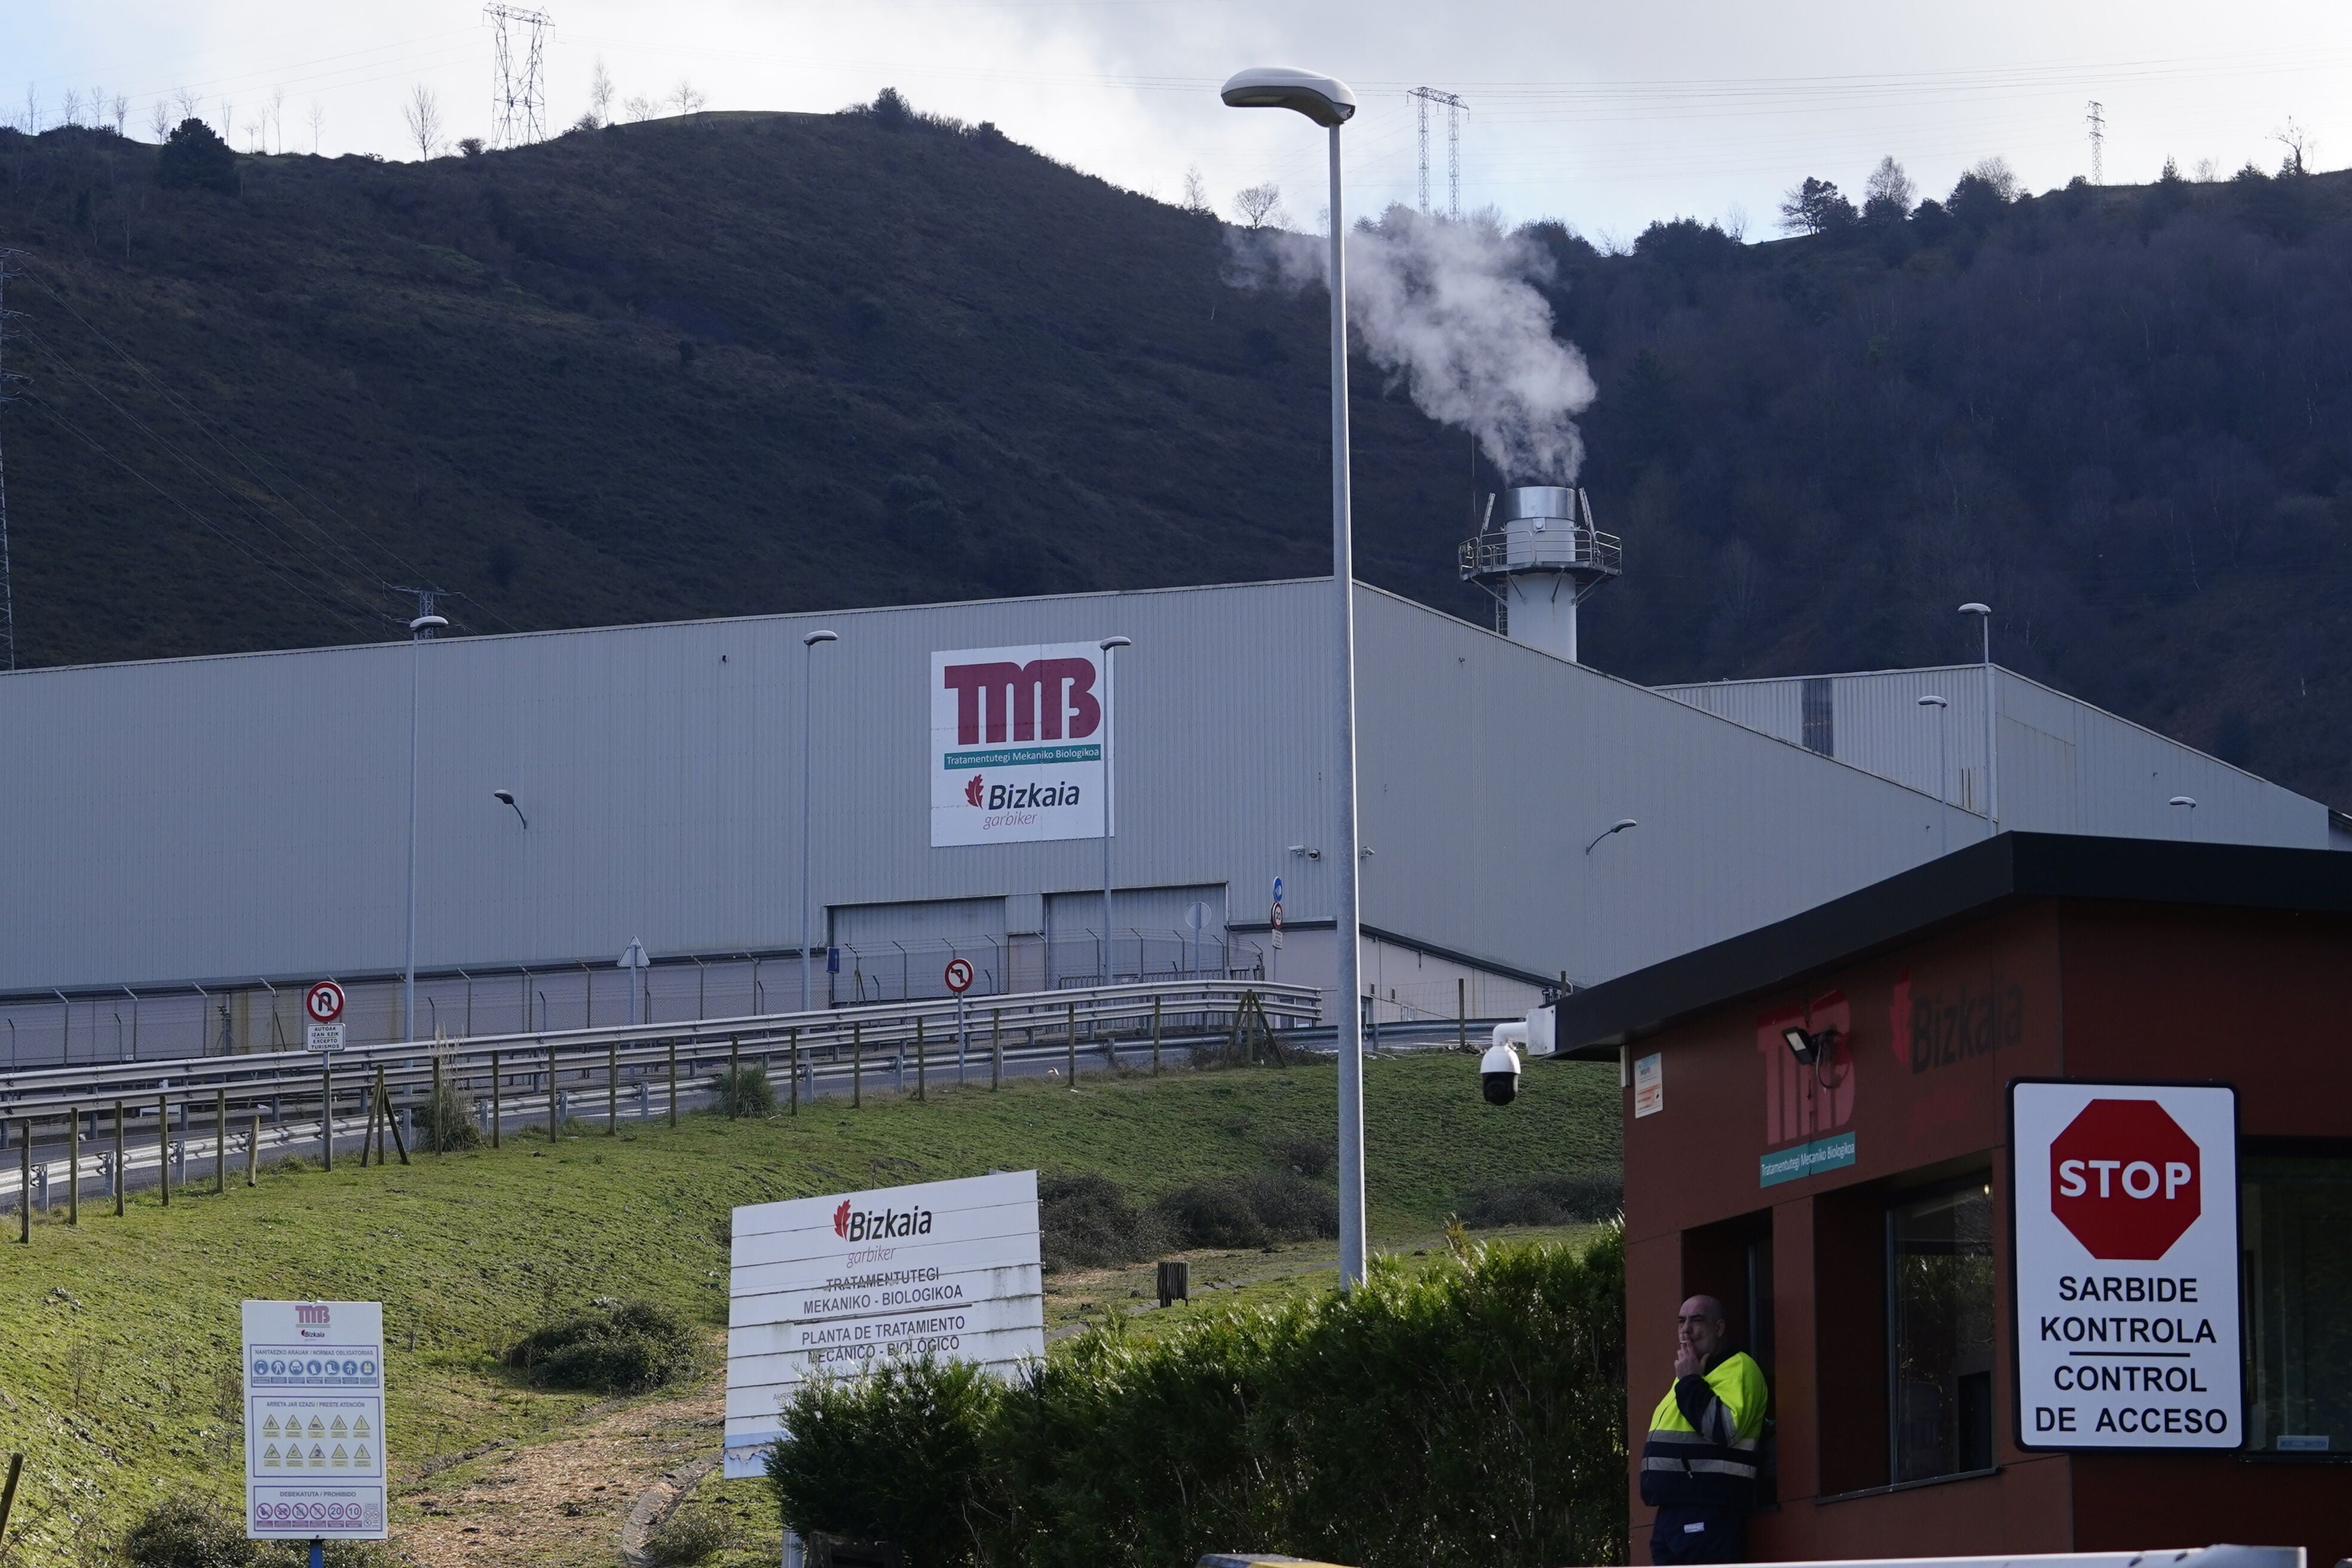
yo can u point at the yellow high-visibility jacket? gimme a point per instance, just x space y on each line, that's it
1703 1441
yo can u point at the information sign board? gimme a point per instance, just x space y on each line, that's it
2124 1269
314 1438
1016 748
948 1269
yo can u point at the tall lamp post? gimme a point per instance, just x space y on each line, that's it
808 662
1110 790
1943 775
1327 102
1992 758
420 631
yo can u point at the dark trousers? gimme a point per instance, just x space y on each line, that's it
1699 1534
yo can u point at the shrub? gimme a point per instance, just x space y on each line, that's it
744 1091
1576 1199
186 1531
193 158
896 1455
627 1348
1249 1211
1309 1157
449 1119
688 1536
1486 1391
1085 1222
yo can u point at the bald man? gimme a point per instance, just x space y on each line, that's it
1698 1467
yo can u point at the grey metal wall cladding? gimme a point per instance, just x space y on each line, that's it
2065 765
936 920
222 818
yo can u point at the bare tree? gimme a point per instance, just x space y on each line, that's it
1258 204
256 134
32 110
122 115
228 118
1888 192
187 100
1196 192
599 93
318 118
277 116
2299 143
160 120
639 107
2206 171
423 114
72 113
685 99
1995 172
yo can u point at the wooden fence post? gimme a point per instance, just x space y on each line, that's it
734 1076
437 1085
920 1081
552 1130
795 1086
613 1090
163 1146
856 1065
73 1168
1071 1060
120 1179
220 1143
1155 1037
672 1083
497 1100
995 1048
24 1183
253 1149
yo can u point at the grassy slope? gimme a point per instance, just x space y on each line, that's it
118 1340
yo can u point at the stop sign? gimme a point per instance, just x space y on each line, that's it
2125 1178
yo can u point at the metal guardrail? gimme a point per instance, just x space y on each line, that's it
1495 552
48 1093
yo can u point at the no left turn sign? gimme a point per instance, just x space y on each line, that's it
323 1002
959 976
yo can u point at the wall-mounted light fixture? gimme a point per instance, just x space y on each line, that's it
1810 1048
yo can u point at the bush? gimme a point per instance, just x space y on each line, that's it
744 1091
1249 1211
1578 1199
688 1536
1310 1157
1486 1391
627 1348
896 1455
193 158
449 1118
1084 1221
186 1531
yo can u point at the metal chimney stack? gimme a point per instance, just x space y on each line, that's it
1540 558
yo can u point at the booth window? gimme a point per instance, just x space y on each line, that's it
1940 1332
2297 1231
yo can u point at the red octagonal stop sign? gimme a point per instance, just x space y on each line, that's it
2125 1178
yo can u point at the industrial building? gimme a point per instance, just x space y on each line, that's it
190 838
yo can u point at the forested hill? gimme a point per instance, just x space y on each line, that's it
741 363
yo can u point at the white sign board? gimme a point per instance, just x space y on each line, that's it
1016 750
2125 1264
1649 1084
314 1421
948 1269
323 1037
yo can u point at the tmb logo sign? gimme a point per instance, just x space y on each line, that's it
2123 1179
1017 738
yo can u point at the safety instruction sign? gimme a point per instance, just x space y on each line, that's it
314 1454
2125 1264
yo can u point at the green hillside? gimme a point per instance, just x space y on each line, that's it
118 1375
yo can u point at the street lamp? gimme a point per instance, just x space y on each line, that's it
2192 805
1992 758
1327 102
1111 795
506 797
808 661
420 631
1943 775
1620 825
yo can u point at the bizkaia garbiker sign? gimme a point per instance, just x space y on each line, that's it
831 1286
2125 1265
1016 747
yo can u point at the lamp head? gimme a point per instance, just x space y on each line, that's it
1933 702
427 622
1809 1048
2183 800
1109 643
1323 100
503 796
815 637
1973 608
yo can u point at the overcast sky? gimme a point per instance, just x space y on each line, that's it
1605 117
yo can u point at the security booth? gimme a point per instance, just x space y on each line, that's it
2027 1177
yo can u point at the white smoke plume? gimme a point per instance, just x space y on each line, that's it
1450 310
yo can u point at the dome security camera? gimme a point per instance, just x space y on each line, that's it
1498 1075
